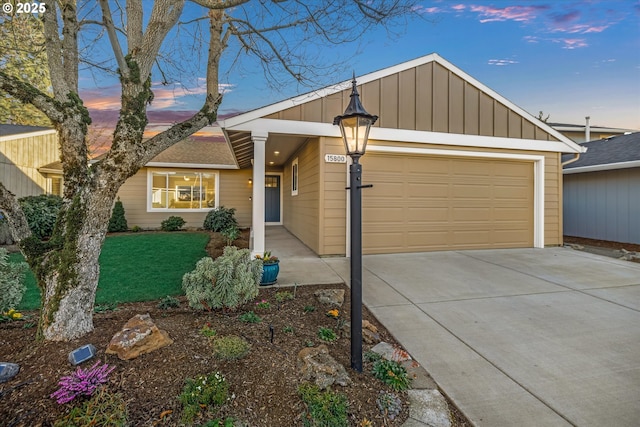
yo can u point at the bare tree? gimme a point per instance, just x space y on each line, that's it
277 32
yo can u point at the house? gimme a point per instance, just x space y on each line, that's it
586 132
602 191
453 164
25 152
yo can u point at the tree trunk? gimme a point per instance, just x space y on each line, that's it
68 270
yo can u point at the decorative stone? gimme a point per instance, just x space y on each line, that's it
138 336
8 371
369 337
370 326
429 407
316 364
330 296
389 352
369 332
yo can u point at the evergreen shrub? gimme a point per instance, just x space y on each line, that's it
117 222
12 286
41 213
173 223
220 219
231 280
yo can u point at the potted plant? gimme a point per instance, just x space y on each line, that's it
270 268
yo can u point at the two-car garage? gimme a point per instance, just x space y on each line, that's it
444 202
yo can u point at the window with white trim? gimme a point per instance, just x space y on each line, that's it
182 191
294 177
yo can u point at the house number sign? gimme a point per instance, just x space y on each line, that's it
335 158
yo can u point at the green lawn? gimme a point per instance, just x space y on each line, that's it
137 267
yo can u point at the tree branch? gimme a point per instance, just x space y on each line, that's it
113 37
28 94
18 224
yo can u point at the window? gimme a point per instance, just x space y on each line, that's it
294 177
56 186
182 190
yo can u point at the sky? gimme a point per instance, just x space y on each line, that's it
569 59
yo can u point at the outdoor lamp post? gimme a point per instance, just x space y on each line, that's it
354 127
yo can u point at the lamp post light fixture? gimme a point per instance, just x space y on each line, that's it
354 127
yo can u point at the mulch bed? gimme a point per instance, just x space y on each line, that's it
264 383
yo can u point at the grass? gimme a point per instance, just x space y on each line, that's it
136 267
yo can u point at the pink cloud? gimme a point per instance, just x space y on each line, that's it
509 13
571 43
459 7
425 10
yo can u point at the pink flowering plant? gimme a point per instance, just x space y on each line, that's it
81 383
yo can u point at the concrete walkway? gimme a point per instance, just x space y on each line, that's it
517 337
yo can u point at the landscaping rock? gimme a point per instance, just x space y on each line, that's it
429 407
8 371
316 364
420 378
138 336
369 332
389 352
330 296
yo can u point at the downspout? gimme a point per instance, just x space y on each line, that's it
587 130
575 158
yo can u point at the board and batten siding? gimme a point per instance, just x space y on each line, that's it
333 200
428 97
20 159
235 192
300 214
603 205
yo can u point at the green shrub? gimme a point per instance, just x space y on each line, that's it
173 223
41 213
327 334
250 317
230 347
283 296
230 234
391 373
104 409
136 229
220 219
231 280
117 222
12 286
168 302
205 391
324 409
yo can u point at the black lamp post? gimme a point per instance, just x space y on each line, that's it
354 127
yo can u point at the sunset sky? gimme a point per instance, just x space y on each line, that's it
570 59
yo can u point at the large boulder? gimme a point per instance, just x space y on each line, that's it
138 336
316 364
330 296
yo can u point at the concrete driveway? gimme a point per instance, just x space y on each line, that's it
518 337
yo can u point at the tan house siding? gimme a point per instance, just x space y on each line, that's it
235 192
20 159
553 200
333 213
428 97
301 217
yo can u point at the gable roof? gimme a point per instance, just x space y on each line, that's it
617 152
305 115
10 131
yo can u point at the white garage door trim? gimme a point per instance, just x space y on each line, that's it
538 181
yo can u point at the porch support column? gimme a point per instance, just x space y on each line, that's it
259 139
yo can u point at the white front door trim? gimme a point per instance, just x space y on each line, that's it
538 180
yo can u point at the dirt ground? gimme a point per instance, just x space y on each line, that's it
264 383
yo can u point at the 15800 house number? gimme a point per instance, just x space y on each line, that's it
335 158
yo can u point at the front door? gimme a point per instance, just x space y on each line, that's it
272 198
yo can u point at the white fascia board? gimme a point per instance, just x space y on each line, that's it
607 167
293 127
189 165
27 135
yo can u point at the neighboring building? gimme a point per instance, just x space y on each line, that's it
24 150
602 191
578 133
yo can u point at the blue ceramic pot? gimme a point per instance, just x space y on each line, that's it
270 273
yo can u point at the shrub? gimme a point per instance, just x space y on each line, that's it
229 281
391 373
168 302
103 409
12 285
230 234
283 296
117 222
81 382
173 223
250 317
205 391
136 229
327 334
41 213
323 408
220 219
389 404
230 347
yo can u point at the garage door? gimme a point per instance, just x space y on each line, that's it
425 203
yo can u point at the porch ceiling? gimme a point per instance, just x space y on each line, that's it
284 145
